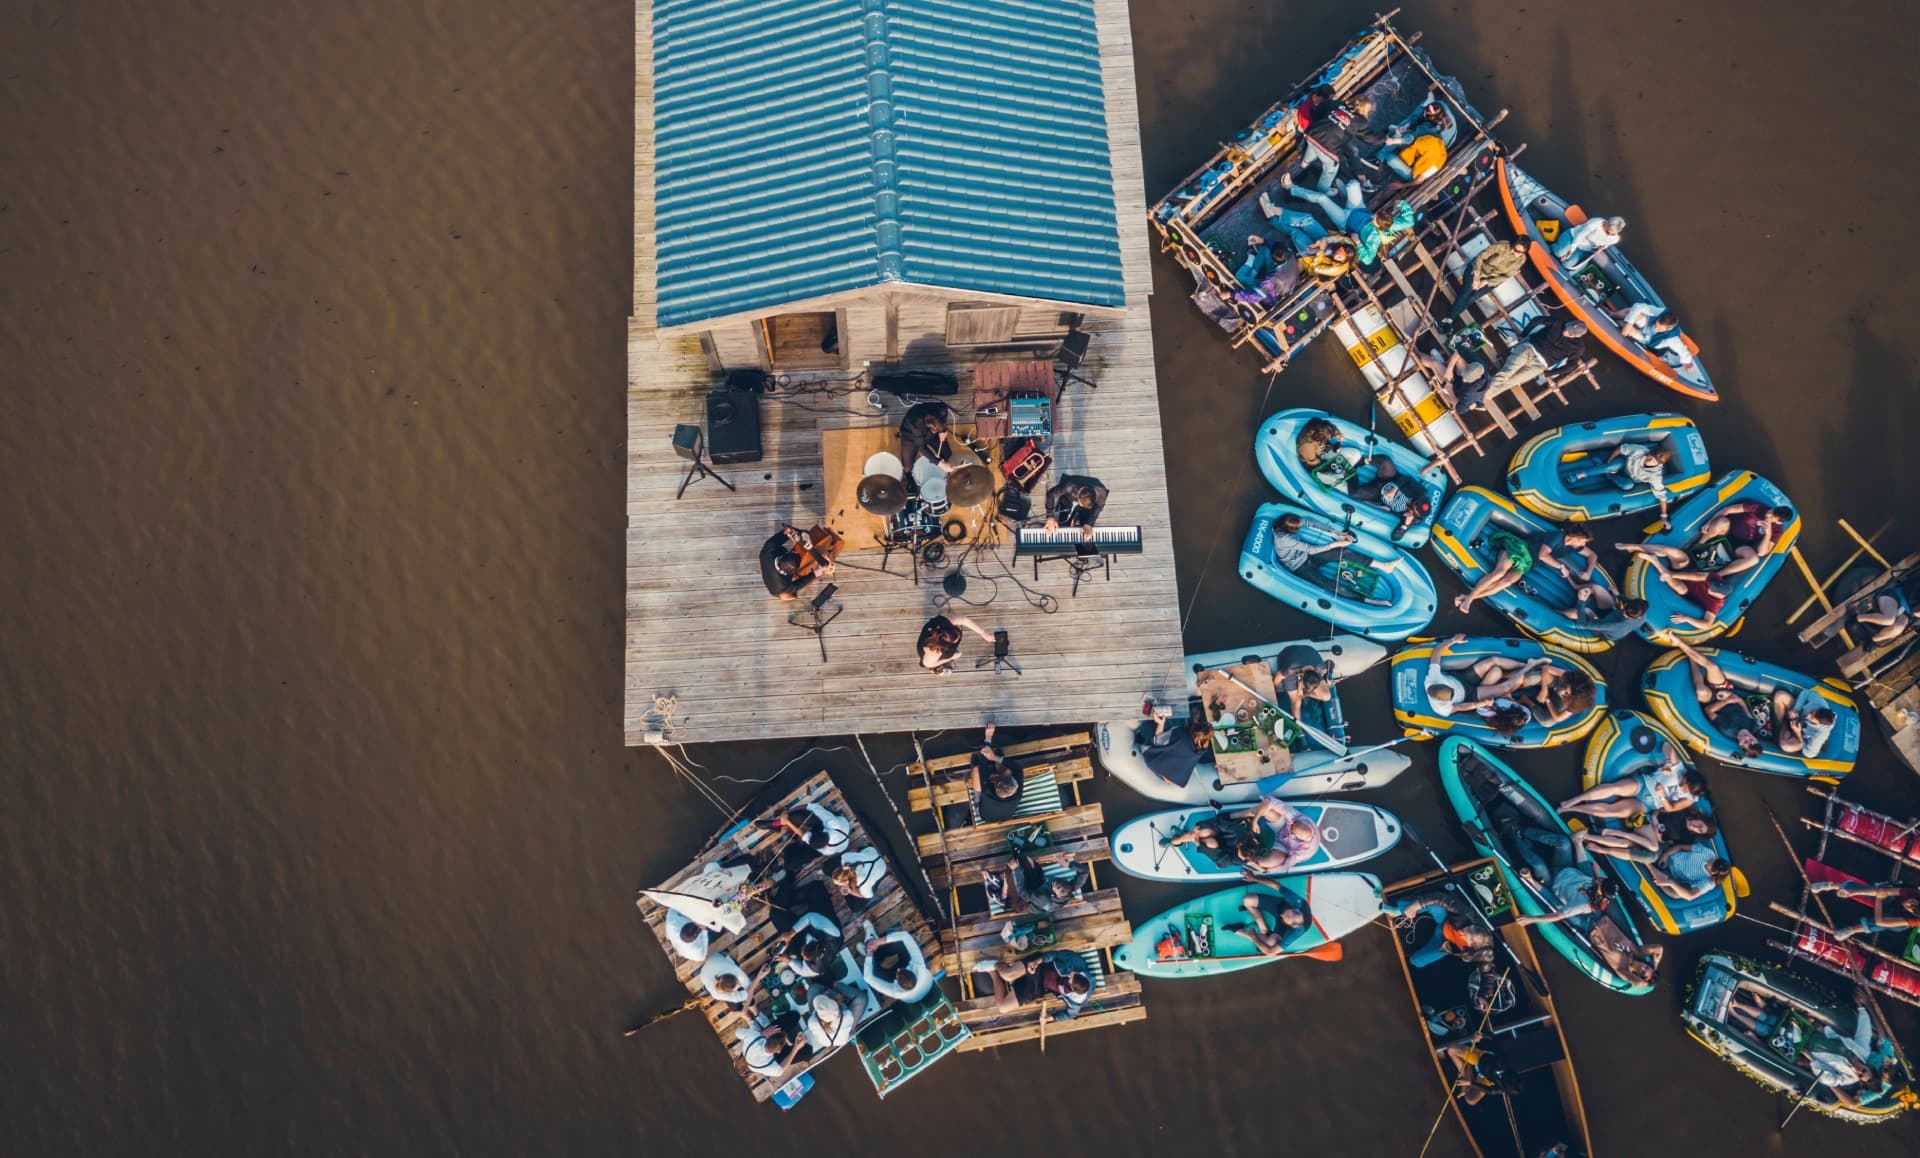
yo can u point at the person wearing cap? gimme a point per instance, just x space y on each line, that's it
830 1023
1577 246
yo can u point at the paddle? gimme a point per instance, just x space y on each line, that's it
1798 1102
1319 737
1329 951
1533 979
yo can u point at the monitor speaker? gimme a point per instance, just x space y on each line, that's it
733 426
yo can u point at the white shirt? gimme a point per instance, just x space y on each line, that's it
916 961
1585 238
826 1036
1669 345
761 1059
718 965
869 869
694 950
1642 469
1436 678
817 923
839 831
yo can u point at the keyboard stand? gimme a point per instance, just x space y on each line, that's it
1081 566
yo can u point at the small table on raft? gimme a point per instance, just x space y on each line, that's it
1251 735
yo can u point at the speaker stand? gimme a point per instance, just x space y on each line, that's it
698 468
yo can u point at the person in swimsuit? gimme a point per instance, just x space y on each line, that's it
1896 907
1669 788
1690 871
1887 613
1749 530
1706 592
1633 962
1293 837
1563 693
1478 1068
1726 708
1647 843
1513 558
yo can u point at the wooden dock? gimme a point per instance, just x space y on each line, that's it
957 855
892 908
710 657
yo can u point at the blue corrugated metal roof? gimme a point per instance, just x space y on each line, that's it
804 147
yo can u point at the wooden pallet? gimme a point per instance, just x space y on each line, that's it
1067 757
892 908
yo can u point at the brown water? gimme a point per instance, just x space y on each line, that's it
317 831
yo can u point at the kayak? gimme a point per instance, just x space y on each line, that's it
1417 717
1203 937
1627 743
1316 771
1492 801
1668 685
1525 1028
1556 475
1742 589
1603 290
1793 1008
1328 488
1535 604
1382 591
1349 834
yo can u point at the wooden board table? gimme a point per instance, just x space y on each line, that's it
1249 751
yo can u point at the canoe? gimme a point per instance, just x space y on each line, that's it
1743 588
1705 1015
1418 719
1526 1036
1384 592
1316 770
1627 743
1668 685
1336 903
1600 292
1552 474
1484 792
1536 602
1327 490
1349 835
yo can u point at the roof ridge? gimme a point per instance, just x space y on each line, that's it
886 191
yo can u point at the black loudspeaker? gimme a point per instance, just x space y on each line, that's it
752 380
733 426
925 383
686 441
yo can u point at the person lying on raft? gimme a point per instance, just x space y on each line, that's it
1638 964
1453 935
1708 594
1896 907
1669 788
1737 538
1658 331
1690 871
1057 973
1270 936
1576 889
1288 839
1559 693
1647 843
1376 230
1293 553
1172 753
895 967
1754 1013
1595 609
1887 613
1515 556
1630 466
1394 492
1479 1068
1319 440
1726 707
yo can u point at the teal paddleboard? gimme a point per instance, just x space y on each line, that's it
1200 938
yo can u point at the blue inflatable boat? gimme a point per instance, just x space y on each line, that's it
1557 475
1741 589
1414 710
1369 587
1626 744
1536 603
1670 693
1330 487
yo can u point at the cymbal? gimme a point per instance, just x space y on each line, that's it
881 495
970 486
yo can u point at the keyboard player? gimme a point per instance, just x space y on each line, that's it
1076 501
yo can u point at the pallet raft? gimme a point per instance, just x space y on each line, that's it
1894 972
956 857
1886 674
892 908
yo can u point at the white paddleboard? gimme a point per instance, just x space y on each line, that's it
1350 833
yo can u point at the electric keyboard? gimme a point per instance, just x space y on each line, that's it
1068 540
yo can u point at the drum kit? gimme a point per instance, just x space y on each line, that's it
883 491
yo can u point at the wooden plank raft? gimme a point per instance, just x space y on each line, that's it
957 856
892 908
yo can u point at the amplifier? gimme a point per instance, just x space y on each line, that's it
925 383
751 379
733 426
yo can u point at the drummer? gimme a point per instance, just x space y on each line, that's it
924 433
1076 501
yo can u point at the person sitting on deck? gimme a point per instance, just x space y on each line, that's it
1420 159
832 1021
1514 557
1738 538
1543 348
1318 443
859 874
1495 265
808 947
815 831
1460 378
780 560
1803 722
1259 262
1659 331
1896 907
1302 675
1887 613
724 980
1726 706
1270 935
1577 246
1595 610
1059 973
1670 787
769 1052
688 939
895 966
1453 935
1076 501
1281 278
1479 1069
1173 753
1630 466
940 640
1394 492
1026 882
924 433
995 784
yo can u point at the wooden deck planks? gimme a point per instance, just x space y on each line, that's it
699 624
